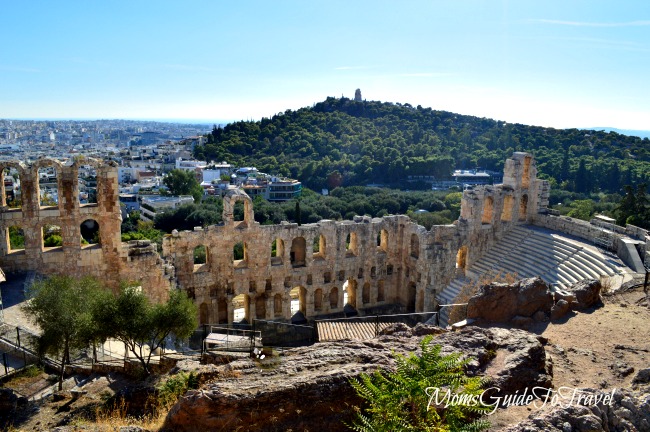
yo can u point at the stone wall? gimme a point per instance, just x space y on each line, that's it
367 263
108 260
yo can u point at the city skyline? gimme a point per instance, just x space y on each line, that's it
557 64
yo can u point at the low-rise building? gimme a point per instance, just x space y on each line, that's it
150 206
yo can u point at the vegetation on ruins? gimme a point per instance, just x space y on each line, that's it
342 142
62 307
405 400
141 325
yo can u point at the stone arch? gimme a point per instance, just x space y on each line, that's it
334 298
51 237
15 237
260 306
508 207
277 252
200 256
277 306
48 179
240 254
350 293
381 294
525 177
298 297
410 300
318 299
241 308
9 185
461 258
298 252
488 207
232 197
351 244
415 246
365 295
382 241
90 231
222 311
204 314
523 207
319 247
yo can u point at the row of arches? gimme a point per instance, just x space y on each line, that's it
507 211
297 253
44 186
295 302
51 236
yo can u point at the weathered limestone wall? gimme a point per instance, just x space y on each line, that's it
108 260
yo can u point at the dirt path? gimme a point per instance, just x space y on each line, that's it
601 348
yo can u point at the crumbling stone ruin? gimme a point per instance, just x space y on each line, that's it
274 271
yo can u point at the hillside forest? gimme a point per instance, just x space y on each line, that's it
352 147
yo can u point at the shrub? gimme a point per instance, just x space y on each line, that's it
401 400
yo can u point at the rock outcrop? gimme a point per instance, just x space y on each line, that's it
308 388
628 412
501 302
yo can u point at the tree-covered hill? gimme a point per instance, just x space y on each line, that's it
344 142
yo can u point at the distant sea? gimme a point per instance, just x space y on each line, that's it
629 132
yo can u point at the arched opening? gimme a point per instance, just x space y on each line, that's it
51 236
389 269
415 245
277 306
381 296
277 252
334 298
523 207
351 244
11 181
48 187
350 293
238 211
298 300
525 178
298 252
327 277
15 238
260 307
488 206
318 247
461 258
204 314
241 305
365 295
87 181
90 233
200 256
508 206
410 301
373 272
222 309
239 254
382 241
318 299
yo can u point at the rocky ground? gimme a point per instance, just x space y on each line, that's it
602 348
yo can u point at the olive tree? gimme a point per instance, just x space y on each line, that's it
141 325
62 307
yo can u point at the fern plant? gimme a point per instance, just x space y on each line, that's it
402 400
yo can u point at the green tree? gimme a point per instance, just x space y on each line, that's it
62 308
582 209
402 400
141 325
182 182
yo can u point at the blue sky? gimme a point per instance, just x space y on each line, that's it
549 63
